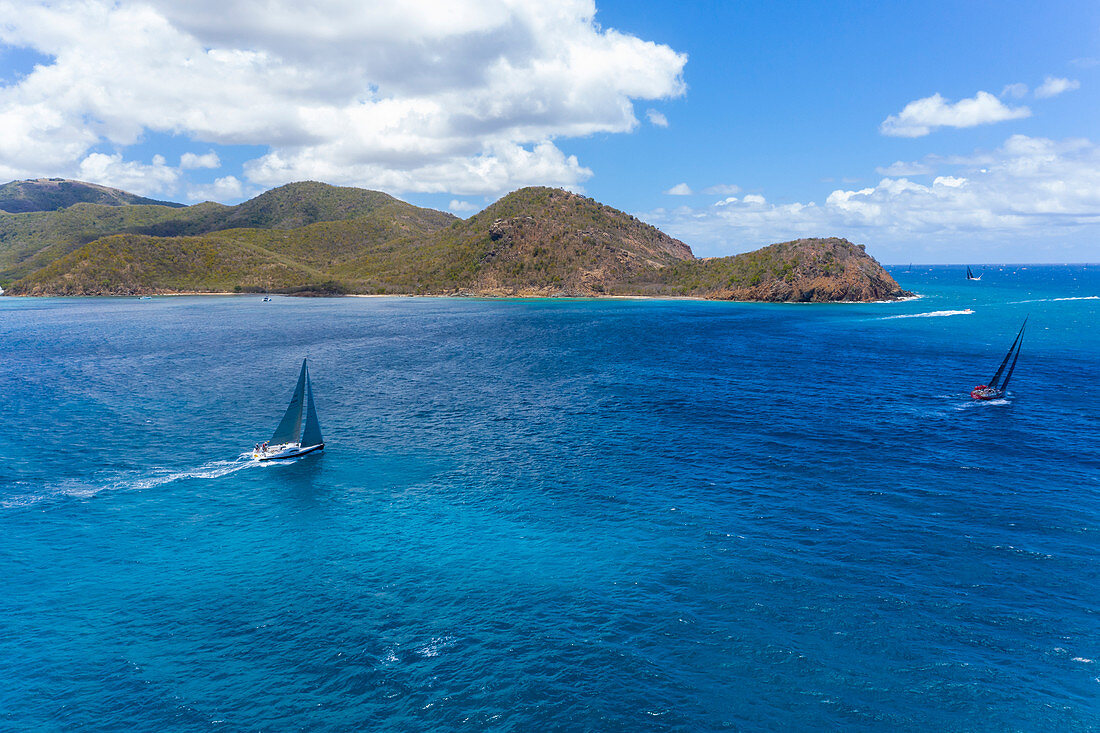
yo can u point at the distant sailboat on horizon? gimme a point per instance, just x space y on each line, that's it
970 274
997 387
291 438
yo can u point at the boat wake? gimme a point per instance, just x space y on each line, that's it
970 404
1055 300
161 476
932 314
128 481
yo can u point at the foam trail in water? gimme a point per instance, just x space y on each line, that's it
130 481
1055 300
970 404
932 314
213 469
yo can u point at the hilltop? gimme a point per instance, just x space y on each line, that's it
286 207
533 242
50 194
312 237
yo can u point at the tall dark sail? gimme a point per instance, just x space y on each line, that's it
290 427
995 382
969 273
1004 384
312 433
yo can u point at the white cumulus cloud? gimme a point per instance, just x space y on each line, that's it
190 161
680 189
224 190
461 207
922 116
1053 86
1030 190
146 179
466 96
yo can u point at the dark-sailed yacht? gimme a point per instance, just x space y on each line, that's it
291 439
997 386
970 274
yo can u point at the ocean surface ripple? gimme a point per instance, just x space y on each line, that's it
555 514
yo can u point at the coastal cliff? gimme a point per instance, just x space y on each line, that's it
311 238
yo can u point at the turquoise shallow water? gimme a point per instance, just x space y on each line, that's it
578 515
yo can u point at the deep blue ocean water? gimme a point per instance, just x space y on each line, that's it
612 515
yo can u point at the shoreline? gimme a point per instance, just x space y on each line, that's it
915 296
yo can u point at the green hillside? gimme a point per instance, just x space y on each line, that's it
324 239
30 241
129 264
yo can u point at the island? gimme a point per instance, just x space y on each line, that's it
62 237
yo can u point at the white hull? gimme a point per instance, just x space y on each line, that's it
282 452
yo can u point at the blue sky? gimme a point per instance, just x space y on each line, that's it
930 131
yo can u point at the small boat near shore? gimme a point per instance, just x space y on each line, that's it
997 386
292 438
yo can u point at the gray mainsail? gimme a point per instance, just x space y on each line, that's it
312 434
290 427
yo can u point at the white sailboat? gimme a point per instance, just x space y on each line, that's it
291 439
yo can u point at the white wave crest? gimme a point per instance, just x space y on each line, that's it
437 645
932 314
